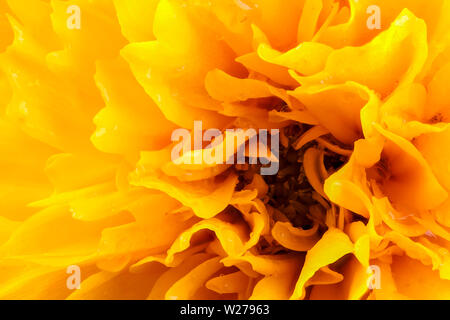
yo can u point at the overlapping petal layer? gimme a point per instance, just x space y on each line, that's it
87 178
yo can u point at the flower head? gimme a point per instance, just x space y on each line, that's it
354 94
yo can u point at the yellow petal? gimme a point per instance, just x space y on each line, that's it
333 245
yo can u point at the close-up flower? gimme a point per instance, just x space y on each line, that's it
224 149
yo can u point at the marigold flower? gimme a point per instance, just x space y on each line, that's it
92 91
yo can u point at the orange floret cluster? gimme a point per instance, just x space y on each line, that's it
91 92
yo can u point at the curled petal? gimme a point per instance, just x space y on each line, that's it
274 287
186 287
166 280
407 37
134 17
353 285
348 188
207 198
232 237
411 183
341 116
293 238
418 281
118 286
315 170
254 265
131 121
307 58
236 282
430 146
333 245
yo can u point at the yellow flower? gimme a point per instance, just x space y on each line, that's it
93 204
